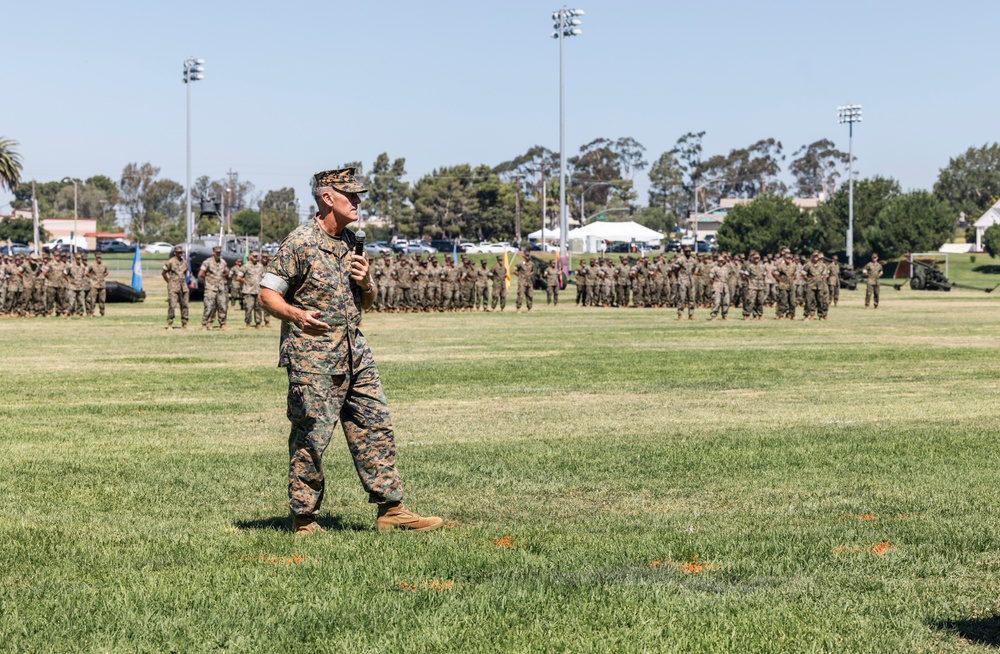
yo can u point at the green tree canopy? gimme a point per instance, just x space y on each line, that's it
971 180
278 215
246 222
913 222
10 164
871 195
766 224
816 168
991 240
21 230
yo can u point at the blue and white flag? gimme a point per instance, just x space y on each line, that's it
454 251
136 270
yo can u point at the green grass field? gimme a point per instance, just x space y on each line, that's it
614 481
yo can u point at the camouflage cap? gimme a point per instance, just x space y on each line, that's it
217 249
342 179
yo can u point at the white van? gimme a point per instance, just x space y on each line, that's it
79 242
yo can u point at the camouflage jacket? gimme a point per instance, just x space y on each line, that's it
685 267
816 273
75 273
175 269
785 271
311 270
525 271
251 275
757 273
551 276
97 272
872 271
497 274
216 274
720 274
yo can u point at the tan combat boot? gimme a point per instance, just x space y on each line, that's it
303 525
394 516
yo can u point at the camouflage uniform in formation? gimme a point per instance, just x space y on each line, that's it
784 272
551 275
97 272
817 298
76 299
833 281
248 280
482 276
525 272
872 272
720 275
215 273
177 290
684 267
757 275
498 275
332 377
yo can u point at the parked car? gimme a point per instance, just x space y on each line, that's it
377 248
68 247
499 248
400 245
16 248
421 247
81 243
704 246
672 246
270 249
446 245
628 247
110 247
470 248
158 248
543 247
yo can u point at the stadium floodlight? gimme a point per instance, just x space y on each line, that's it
194 70
565 26
850 114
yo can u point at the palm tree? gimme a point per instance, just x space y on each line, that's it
10 164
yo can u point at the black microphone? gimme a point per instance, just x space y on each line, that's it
359 247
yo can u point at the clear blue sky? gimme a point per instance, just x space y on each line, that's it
293 88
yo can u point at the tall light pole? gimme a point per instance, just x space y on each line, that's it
565 25
193 71
850 114
583 191
75 217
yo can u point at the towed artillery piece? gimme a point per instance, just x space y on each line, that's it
922 271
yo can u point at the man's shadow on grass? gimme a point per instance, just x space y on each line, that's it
982 631
284 523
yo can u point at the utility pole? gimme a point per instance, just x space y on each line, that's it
34 216
229 219
517 209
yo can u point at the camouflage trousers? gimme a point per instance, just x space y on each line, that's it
834 292
720 299
685 298
176 297
215 305
499 296
817 301
482 296
551 294
525 295
76 301
870 293
55 297
97 298
251 310
621 295
786 303
315 404
753 303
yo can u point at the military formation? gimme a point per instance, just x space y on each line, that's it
416 284
721 282
57 284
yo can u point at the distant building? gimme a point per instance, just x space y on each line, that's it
85 227
987 220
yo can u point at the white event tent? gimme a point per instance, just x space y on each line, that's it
628 231
549 234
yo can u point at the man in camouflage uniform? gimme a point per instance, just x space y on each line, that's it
173 273
28 275
264 261
719 275
318 287
622 281
551 277
833 281
580 279
482 276
14 286
498 275
817 298
236 284
450 300
872 273
248 279
525 272
756 294
97 272
784 275
467 285
215 273
76 299
685 267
